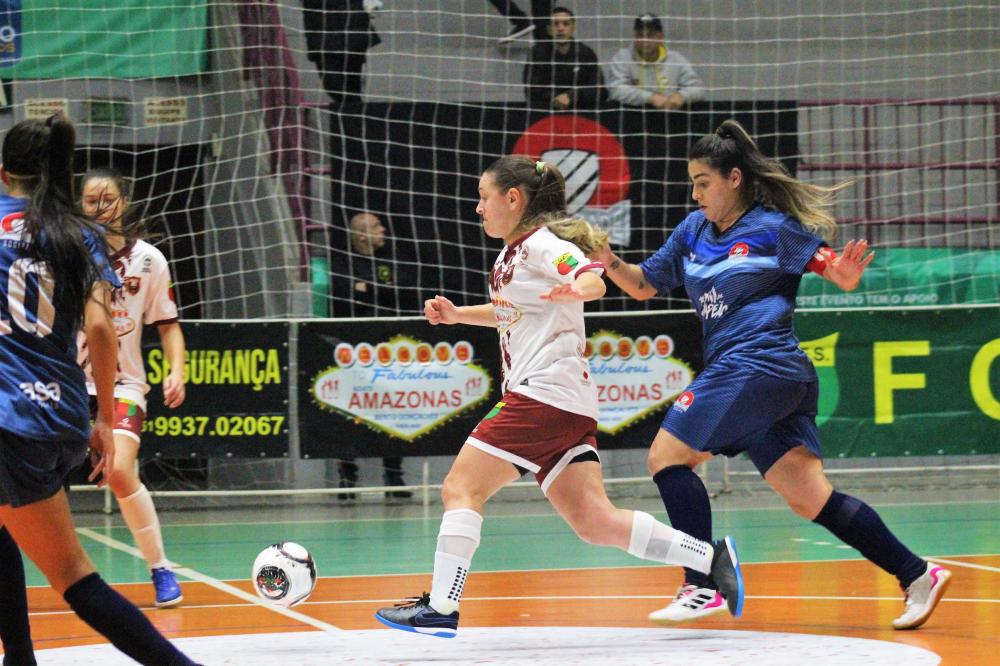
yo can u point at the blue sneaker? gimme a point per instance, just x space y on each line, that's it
726 575
416 615
168 592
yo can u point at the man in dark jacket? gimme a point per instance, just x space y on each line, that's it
338 35
563 73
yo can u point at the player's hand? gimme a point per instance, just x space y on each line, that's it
102 452
173 389
564 293
845 271
440 310
561 101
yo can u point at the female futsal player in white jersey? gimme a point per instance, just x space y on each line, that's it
143 299
546 421
54 278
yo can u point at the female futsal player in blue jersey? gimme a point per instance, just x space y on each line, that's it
54 278
740 257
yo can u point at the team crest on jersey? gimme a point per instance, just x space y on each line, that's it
131 285
565 263
684 400
7 223
739 251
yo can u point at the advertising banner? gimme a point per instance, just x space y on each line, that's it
128 39
892 382
907 277
403 387
906 383
236 378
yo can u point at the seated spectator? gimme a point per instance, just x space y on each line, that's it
649 74
563 73
370 280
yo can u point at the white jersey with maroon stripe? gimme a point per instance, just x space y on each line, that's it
145 298
542 343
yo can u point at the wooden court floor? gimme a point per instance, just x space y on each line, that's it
530 572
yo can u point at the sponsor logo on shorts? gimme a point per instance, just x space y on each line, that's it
684 400
565 263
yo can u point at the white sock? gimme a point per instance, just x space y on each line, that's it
652 540
140 516
458 539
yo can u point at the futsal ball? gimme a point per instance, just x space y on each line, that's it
284 574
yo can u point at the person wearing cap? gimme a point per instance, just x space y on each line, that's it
563 73
650 74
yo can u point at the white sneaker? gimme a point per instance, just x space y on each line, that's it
691 603
922 596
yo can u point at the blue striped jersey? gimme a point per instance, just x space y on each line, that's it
742 284
42 391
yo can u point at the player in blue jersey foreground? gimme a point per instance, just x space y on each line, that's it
740 257
54 278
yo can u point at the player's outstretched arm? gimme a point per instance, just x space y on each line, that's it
629 277
103 345
846 270
588 286
440 310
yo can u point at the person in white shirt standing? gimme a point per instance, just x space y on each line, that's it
546 420
145 298
650 74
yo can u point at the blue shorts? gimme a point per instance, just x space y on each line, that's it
729 410
33 470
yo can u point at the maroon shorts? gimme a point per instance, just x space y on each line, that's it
534 436
129 417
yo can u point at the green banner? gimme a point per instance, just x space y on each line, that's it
67 39
903 277
906 382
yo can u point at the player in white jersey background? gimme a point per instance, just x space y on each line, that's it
546 421
143 299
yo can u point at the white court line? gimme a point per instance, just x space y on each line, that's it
519 516
212 582
968 565
609 597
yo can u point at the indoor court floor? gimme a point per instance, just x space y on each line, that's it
537 595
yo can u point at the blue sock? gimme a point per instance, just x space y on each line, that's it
686 501
14 628
856 524
120 622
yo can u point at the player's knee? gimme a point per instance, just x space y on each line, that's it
455 493
658 460
123 481
590 532
804 506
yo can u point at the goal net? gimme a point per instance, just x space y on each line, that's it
253 171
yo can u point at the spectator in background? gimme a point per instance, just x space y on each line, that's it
365 284
338 35
521 23
370 280
649 74
563 73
